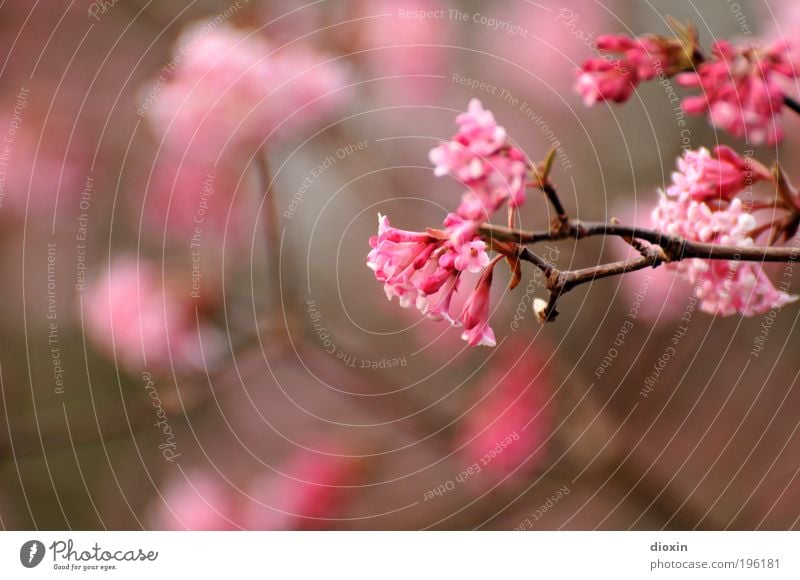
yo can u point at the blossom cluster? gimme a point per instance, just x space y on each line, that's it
481 157
743 87
424 268
701 206
614 78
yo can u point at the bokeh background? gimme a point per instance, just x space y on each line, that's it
246 370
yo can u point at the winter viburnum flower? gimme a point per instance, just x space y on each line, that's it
743 89
476 313
704 177
481 157
424 270
724 287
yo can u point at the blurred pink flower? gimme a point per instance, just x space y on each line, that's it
183 198
601 80
199 501
40 172
508 428
743 89
131 315
228 88
414 49
310 489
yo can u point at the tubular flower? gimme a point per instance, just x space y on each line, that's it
424 270
476 313
705 178
743 89
480 156
724 287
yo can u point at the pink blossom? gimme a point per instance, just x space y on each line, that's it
424 270
743 89
723 287
131 315
476 313
473 257
706 178
480 156
607 78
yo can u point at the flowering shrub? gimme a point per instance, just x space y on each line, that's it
702 228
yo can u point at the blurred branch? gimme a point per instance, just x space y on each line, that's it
792 104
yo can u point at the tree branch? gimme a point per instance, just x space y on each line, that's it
676 248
